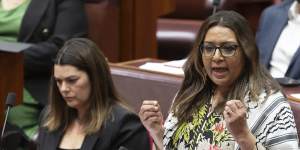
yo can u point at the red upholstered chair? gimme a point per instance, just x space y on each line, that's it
176 32
145 85
296 110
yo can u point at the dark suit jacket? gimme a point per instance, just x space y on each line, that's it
272 22
122 129
47 24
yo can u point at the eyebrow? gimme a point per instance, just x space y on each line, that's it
68 77
222 43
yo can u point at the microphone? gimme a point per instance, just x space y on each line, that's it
215 4
10 101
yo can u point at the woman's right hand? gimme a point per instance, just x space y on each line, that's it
152 118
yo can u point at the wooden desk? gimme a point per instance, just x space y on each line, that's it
138 62
290 90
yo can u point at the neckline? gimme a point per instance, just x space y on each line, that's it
218 109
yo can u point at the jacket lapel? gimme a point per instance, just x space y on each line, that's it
54 139
90 141
100 139
32 17
293 65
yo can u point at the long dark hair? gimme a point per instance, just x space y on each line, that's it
85 56
197 88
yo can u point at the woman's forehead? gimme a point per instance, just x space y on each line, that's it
66 70
220 34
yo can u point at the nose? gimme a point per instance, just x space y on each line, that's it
217 55
64 87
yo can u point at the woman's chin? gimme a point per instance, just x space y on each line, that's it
72 105
220 81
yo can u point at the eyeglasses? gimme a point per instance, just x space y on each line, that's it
226 49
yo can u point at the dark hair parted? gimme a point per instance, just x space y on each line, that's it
85 56
197 88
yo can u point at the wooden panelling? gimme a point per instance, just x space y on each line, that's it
126 29
11 78
104 27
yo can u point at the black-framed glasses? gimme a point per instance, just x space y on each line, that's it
226 49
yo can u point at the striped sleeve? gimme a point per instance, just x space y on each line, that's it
275 128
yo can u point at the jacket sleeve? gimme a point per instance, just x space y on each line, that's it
132 134
70 21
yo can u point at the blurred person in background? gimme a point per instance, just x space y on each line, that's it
278 39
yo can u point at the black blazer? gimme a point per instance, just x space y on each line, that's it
122 129
47 24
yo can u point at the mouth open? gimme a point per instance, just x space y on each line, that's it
219 72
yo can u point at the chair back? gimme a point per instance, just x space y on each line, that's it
296 110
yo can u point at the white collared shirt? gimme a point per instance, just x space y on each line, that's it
287 44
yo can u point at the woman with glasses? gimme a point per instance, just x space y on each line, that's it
227 100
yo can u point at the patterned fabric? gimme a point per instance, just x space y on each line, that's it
206 129
270 120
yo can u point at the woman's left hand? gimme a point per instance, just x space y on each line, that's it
235 115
